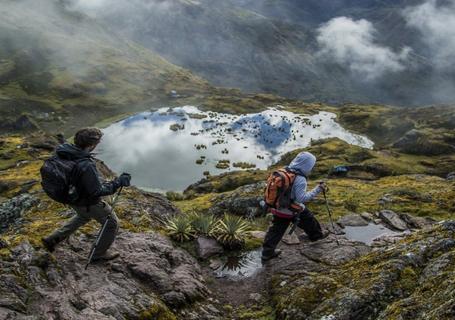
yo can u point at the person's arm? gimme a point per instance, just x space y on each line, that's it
93 186
301 195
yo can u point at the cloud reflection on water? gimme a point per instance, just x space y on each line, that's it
162 159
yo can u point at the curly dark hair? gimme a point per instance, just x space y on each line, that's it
87 137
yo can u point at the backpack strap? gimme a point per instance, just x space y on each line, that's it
296 172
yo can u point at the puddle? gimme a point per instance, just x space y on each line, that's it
367 234
240 266
169 149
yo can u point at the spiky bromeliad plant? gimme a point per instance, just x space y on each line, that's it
179 228
203 224
231 231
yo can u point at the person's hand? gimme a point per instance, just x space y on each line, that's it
124 180
323 186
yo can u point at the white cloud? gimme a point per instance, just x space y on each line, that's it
436 23
352 43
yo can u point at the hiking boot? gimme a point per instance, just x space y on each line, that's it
275 254
305 237
106 257
49 244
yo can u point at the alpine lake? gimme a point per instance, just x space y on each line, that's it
170 148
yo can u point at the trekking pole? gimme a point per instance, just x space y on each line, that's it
330 215
98 237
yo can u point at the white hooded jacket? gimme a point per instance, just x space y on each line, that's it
302 166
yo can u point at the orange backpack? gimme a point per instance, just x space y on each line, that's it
278 190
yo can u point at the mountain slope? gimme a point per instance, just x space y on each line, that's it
272 46
55 60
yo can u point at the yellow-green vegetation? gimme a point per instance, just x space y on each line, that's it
373 175
243 165
231 231
370 164
255 312
157 312
225 182
10 152
223 164
425 196
179 228
385 124
200 204
203 224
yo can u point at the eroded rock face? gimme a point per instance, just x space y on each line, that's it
149 271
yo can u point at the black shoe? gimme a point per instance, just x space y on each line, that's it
48 244
275 254
323 235
106 257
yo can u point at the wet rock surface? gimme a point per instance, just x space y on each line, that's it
149 271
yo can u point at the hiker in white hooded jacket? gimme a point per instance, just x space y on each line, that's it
302 166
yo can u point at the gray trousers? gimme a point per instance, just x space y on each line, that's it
100 212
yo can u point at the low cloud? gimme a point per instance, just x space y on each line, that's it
352 43
435 20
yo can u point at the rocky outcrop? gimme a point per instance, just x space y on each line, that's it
393 220
148 272
12 210
393 282
352 220
423 142
243 201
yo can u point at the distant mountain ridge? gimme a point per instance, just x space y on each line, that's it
271 46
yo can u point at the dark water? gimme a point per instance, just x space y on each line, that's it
160 148
368 233
236 267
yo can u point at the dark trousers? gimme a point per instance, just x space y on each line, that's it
308 223
100 212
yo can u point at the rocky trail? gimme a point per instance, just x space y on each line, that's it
388 264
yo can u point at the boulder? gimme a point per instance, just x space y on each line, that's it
367 216
243 201
417 222
354 220
393 220
207 247
149 274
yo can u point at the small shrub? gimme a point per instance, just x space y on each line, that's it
179 228
203 224
231 231
174 196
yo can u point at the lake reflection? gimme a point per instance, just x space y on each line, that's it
160 148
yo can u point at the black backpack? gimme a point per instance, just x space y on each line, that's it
57 179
